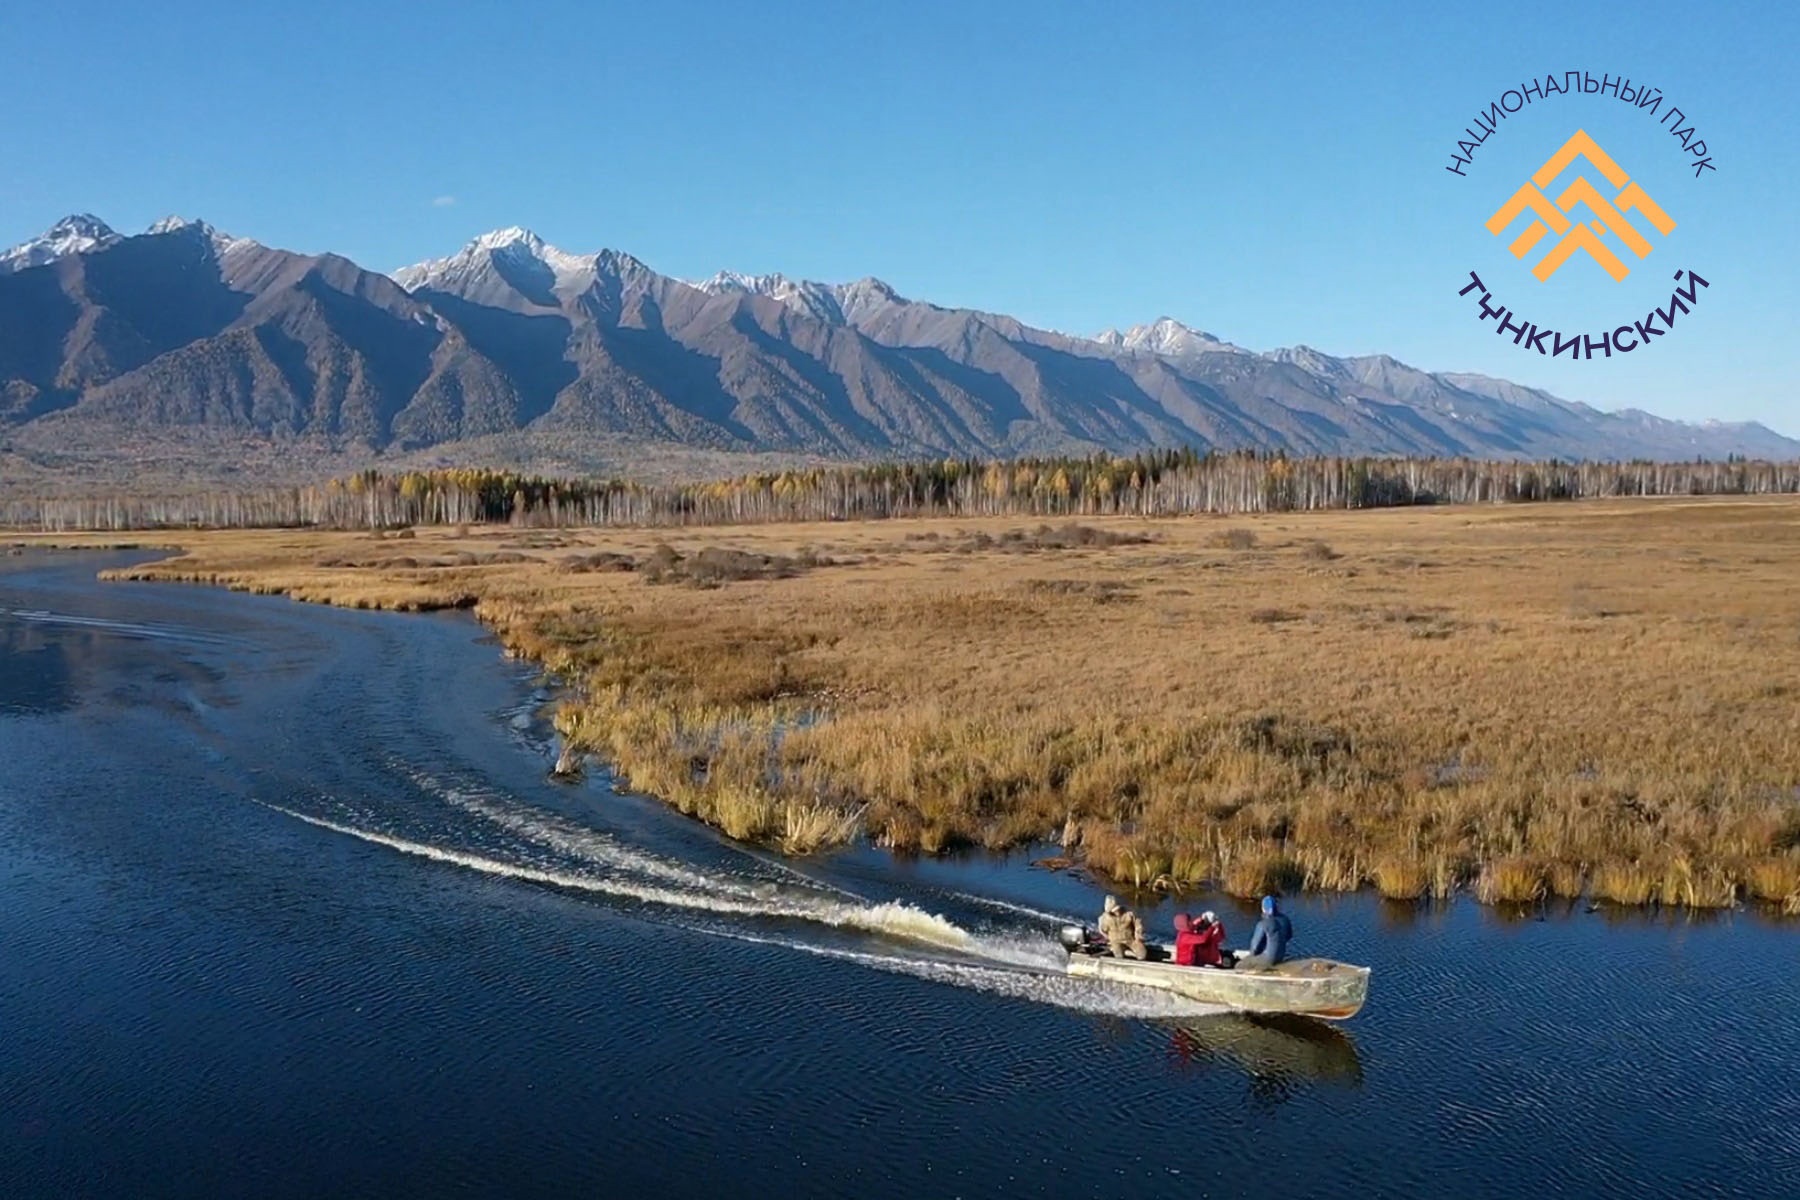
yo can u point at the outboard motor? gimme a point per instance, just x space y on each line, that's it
1074 938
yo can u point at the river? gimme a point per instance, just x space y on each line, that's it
288 907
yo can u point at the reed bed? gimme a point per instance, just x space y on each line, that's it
1587 700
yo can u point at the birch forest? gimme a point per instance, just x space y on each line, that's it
1161 483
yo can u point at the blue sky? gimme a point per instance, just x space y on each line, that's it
1273 174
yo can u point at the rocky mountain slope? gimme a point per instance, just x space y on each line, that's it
185 328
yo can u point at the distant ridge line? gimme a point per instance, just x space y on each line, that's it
185 333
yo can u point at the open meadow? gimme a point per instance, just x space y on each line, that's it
1597 698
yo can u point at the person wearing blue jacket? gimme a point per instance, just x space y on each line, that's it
1269 942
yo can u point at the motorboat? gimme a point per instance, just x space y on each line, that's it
1313 987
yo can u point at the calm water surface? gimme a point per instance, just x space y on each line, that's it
288 908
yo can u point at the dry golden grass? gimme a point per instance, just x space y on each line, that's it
1400 878
1624 883
1511 881
1521 701
1775 879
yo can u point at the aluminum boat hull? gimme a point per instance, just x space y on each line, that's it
1314 987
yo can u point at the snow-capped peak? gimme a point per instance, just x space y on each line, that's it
732 281
175 224
222 243
1167 338
77 233
814 299
838 303
80 228
512 245
512 235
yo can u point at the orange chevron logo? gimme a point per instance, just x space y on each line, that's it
1579 235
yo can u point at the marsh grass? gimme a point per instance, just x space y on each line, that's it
807 828
1775 879
1512 880
1625 883
1000 695
1566 880
1401 878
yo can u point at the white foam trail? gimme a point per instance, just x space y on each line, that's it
1041 987
1034 953
1028 968
581 841
591 846
1024 910
892 919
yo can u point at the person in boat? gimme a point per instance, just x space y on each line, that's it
1123 930
1199 941
1269 942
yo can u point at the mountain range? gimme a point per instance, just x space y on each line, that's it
183 330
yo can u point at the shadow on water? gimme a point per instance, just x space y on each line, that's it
1280 1054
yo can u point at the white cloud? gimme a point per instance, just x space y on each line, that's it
443 201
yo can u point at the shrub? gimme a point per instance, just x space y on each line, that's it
581 564
714 566
1318 551
1235 538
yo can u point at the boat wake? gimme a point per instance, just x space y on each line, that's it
1023 910
893 918
147 630
1013 953
584 843
1038 986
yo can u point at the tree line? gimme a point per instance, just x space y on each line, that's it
1154 483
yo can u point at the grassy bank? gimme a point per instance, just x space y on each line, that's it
1594 698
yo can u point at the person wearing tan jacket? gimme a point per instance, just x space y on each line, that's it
1123 931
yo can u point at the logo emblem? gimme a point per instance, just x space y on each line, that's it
1576 235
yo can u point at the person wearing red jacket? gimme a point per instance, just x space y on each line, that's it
1199 943
1212 940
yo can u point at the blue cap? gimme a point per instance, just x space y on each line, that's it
1268 904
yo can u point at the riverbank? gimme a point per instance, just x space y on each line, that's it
1581 699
